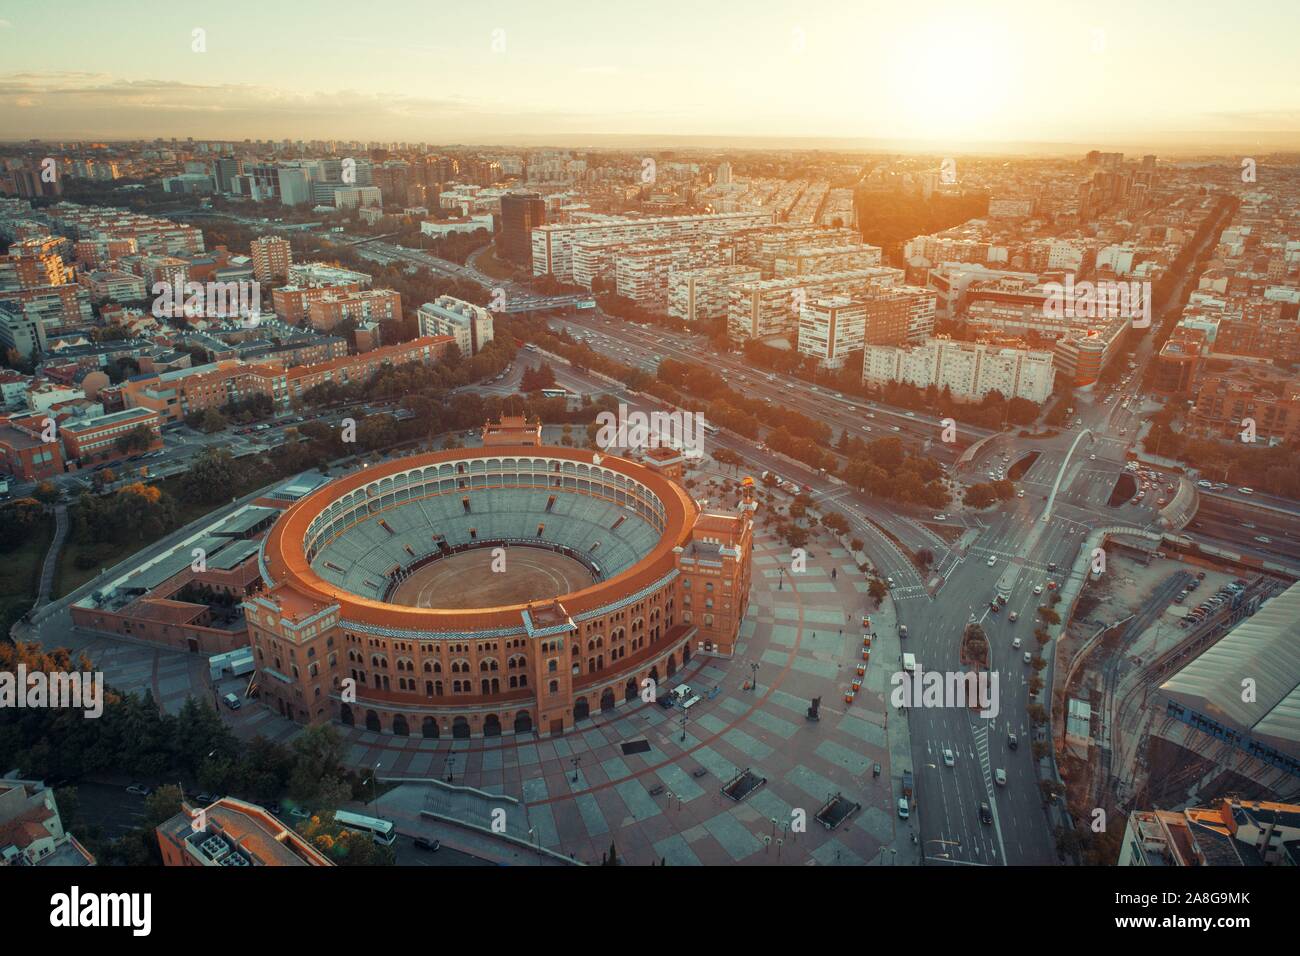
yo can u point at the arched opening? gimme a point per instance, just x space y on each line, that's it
400 727
372 722
581 709
460 728
672 665
607 700
345 715
491 726
629 689
686 653
654 674
523 722
429 727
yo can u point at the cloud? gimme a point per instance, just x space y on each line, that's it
83 104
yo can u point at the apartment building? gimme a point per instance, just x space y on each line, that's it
59 307
469 324
231 832
553 243
770 307
1267 395
425 350
1232 832
34 271
23 333
833 328
763 246
969 370
641 271
272 259
173 395
152 235
811 260
702 295
368 305
109 285
31 828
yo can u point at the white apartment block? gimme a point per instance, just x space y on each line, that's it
936 249
469 324
763 247
702 295
758 310
358 197
641 271
970 370
807 260
552 243
831 328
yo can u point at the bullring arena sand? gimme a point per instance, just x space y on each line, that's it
467 580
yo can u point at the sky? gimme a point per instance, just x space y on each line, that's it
569 71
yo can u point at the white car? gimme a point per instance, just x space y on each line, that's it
992 560
948 758
1016 642
1038 589
940 517
1028 658
1092 457
1020 493
1000 777
1246 491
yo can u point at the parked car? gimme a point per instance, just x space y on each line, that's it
424 843
139 789
986 814
903 811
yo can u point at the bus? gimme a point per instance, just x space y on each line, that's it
585 304
555 393
381 831
710 428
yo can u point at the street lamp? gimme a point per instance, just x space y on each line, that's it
753 666
576 761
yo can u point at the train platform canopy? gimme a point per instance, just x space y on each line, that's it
1264 649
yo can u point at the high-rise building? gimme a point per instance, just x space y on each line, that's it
272 257
469 324
520 214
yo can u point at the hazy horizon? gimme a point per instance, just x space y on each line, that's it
822 74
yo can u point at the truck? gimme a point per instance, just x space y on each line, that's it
909 662
907 784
